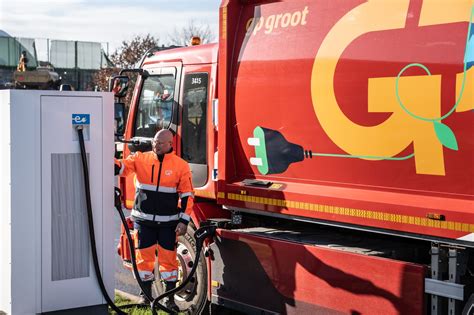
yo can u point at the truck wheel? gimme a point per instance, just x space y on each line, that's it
192 298
469 307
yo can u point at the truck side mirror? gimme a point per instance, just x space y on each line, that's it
119 85
119 121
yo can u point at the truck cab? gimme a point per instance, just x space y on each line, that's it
177 93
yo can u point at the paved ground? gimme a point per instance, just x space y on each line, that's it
124 280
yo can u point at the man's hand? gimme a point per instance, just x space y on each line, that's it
181 229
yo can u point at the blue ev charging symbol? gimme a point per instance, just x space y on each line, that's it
81 119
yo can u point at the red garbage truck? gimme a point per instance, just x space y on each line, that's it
333 143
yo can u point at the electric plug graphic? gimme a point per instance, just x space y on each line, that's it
273 153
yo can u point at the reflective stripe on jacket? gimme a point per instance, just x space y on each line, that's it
159 185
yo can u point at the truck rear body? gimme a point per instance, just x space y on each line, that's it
315 114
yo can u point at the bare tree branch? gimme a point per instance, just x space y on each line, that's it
126 56
132 51
182 37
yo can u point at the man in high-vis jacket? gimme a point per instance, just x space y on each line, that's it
162 178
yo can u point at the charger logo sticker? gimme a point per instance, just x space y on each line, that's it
81 119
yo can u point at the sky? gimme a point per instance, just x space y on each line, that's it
103 20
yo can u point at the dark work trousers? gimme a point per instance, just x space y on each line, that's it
155 237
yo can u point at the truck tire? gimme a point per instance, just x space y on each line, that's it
193 298
469 307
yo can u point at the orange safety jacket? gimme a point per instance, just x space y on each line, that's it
159 185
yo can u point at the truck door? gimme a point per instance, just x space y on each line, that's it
155 109
194 127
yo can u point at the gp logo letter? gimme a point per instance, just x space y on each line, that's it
400 130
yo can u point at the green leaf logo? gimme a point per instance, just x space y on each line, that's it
445 135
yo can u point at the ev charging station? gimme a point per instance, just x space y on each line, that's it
45 256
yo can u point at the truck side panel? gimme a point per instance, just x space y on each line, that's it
289 278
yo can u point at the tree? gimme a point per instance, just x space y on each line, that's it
182 37
131 52
126 56
101 78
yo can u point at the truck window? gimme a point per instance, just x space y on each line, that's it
194 135
155 105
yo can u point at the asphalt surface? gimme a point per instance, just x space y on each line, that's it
124 280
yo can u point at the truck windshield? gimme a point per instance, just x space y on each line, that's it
155 105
